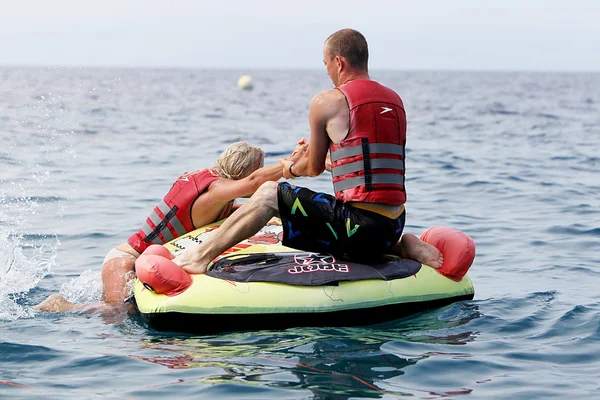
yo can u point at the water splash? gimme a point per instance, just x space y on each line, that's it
24 259
31 136
84 289
21 269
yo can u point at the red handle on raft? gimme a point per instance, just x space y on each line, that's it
158 250
158 273
457 247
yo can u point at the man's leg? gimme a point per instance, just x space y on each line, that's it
242 224
410 246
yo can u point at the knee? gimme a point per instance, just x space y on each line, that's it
266 195
118 266
269 187
266 190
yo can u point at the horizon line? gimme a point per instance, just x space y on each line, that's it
265 68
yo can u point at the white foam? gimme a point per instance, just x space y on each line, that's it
21 271
84 289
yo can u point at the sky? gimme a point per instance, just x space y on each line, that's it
539 35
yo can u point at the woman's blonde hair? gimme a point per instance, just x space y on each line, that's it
238 160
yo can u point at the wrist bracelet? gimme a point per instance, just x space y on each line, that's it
290 170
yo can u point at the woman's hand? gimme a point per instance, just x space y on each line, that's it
286 163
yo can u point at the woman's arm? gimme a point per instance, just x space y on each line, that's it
227 189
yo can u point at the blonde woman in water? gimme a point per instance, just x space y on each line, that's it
195 199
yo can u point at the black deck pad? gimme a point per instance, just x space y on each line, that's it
307 269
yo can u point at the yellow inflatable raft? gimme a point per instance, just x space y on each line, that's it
302 288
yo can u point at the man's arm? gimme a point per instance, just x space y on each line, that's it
322 107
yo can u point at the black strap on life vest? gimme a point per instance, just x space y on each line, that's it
150 237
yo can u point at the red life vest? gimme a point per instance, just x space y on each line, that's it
368 165
173 216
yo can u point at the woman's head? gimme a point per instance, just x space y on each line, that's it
238 161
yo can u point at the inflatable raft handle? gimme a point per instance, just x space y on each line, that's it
158 250
160 274
457 247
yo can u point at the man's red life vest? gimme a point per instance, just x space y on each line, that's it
368 165
173 216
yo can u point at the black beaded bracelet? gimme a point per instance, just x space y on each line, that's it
291 173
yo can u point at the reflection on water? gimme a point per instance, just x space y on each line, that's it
339 363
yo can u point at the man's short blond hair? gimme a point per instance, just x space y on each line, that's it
238 160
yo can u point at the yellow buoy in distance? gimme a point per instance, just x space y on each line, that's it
245 82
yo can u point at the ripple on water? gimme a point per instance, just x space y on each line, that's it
575 229
33 199
16 354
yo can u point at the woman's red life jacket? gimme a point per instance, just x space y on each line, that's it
173 216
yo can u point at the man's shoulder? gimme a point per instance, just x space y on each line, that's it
329 96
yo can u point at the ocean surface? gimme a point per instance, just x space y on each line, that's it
510 158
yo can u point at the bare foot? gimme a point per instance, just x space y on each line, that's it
56 303
190 264
111 314
416 249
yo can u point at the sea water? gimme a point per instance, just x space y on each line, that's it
510 158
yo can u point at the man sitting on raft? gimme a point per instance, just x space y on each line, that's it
363 125
195 199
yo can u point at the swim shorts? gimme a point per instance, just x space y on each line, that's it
114 253
318 222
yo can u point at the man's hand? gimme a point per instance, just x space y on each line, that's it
299 151
328 162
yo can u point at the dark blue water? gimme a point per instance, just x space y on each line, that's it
512 159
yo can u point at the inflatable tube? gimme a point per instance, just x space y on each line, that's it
233 295
457 247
